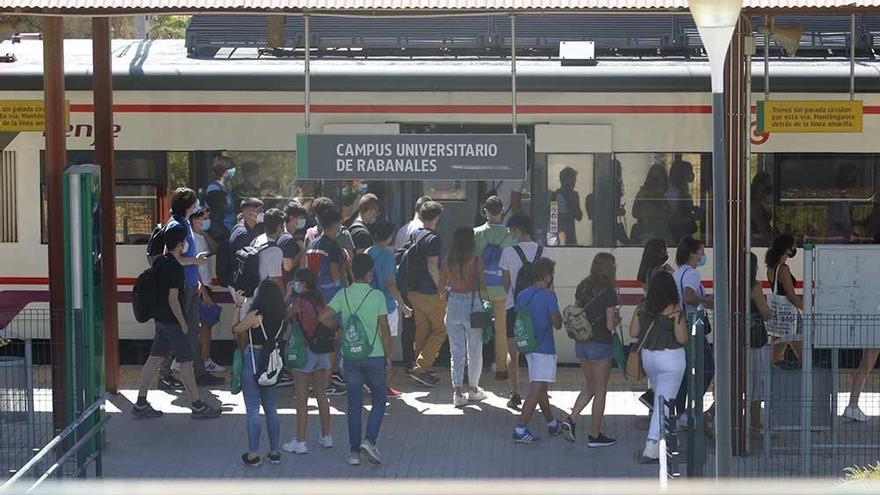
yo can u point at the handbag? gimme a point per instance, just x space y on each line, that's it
274 362
634 370
480 318
784 319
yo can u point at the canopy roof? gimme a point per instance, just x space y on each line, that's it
399 7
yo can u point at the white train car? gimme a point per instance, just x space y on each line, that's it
610 123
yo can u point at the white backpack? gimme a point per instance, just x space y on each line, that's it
273 367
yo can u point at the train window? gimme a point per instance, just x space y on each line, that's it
569 183
139 175
817 197
663 196
268 175
446 190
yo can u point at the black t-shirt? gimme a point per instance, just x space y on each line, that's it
429 246
170 276
290 249
596 303
361 236
242 236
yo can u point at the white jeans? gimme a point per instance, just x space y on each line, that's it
665 370
465 343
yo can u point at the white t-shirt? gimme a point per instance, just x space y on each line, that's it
271 259
406 231
688 276
511 263
206 271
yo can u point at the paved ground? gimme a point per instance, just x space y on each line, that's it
423 436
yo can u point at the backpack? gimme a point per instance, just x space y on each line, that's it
524 330
355 343
406 257
156 244
524 277
492 260
246 271
576 322
145 295
318 262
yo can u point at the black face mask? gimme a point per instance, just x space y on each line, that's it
663 258
792 252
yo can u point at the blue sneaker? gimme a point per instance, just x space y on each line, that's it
525 437
554 429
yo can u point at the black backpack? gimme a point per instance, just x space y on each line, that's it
246 268
156 244
145 295
525 278
406 257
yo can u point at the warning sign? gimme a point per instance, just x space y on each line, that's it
25 115
810 116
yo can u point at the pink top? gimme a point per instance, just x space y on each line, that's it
463 283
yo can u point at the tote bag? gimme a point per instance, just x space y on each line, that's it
784 315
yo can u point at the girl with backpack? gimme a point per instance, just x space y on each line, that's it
597 296
462 272
660 330
261 324
305 307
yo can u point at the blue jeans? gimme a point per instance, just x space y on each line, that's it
254 396
465 342
370 371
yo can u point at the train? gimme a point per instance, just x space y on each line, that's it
611 124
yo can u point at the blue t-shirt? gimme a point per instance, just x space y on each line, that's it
190 272
228 212
542 303
383 267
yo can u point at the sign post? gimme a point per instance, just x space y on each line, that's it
417 157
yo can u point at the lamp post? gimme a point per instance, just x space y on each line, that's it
716 20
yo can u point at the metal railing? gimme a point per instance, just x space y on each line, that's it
63 454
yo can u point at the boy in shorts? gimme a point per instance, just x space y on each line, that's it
541 301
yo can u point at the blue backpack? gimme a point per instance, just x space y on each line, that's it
491 262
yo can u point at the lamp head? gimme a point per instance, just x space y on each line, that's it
716 20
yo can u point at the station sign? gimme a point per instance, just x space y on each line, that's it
401 157
810 116
26 115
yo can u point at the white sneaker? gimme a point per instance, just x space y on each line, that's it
353 458
372 453
476 395
652 450
294 446
326 441
213 367
459 400
175 366
855 413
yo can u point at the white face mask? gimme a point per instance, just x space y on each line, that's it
301 223
260 217
185 247
297 287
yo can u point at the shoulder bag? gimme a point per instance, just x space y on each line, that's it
634 370
783 321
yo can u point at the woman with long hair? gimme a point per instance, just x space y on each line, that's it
661 332
597 295
654 258
462 276
263 320
305 306
782 282
760 312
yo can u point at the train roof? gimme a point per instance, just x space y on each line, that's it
157 65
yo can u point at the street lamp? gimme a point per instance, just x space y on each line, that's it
716 20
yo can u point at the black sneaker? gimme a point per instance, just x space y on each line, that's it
335 390
249 461
337 380
600 441
145 411
274 457
568 430
647 399
515 402
170 384
423 378
205 412
284 380
208 380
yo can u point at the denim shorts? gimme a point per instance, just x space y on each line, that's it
593 351
315 361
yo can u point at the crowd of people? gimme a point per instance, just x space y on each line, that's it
336 293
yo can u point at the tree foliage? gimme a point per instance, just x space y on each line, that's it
161 26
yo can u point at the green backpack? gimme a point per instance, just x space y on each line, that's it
355 341
524 330
235 383
295 350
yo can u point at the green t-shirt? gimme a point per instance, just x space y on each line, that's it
372 308
492 233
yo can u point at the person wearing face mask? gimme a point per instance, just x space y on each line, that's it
217 194
183 204
690 255
654 260
678 197
250 226
209 311
569 206
292 250
782 282
368 213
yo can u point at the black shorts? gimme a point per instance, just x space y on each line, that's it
170 339
511 321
